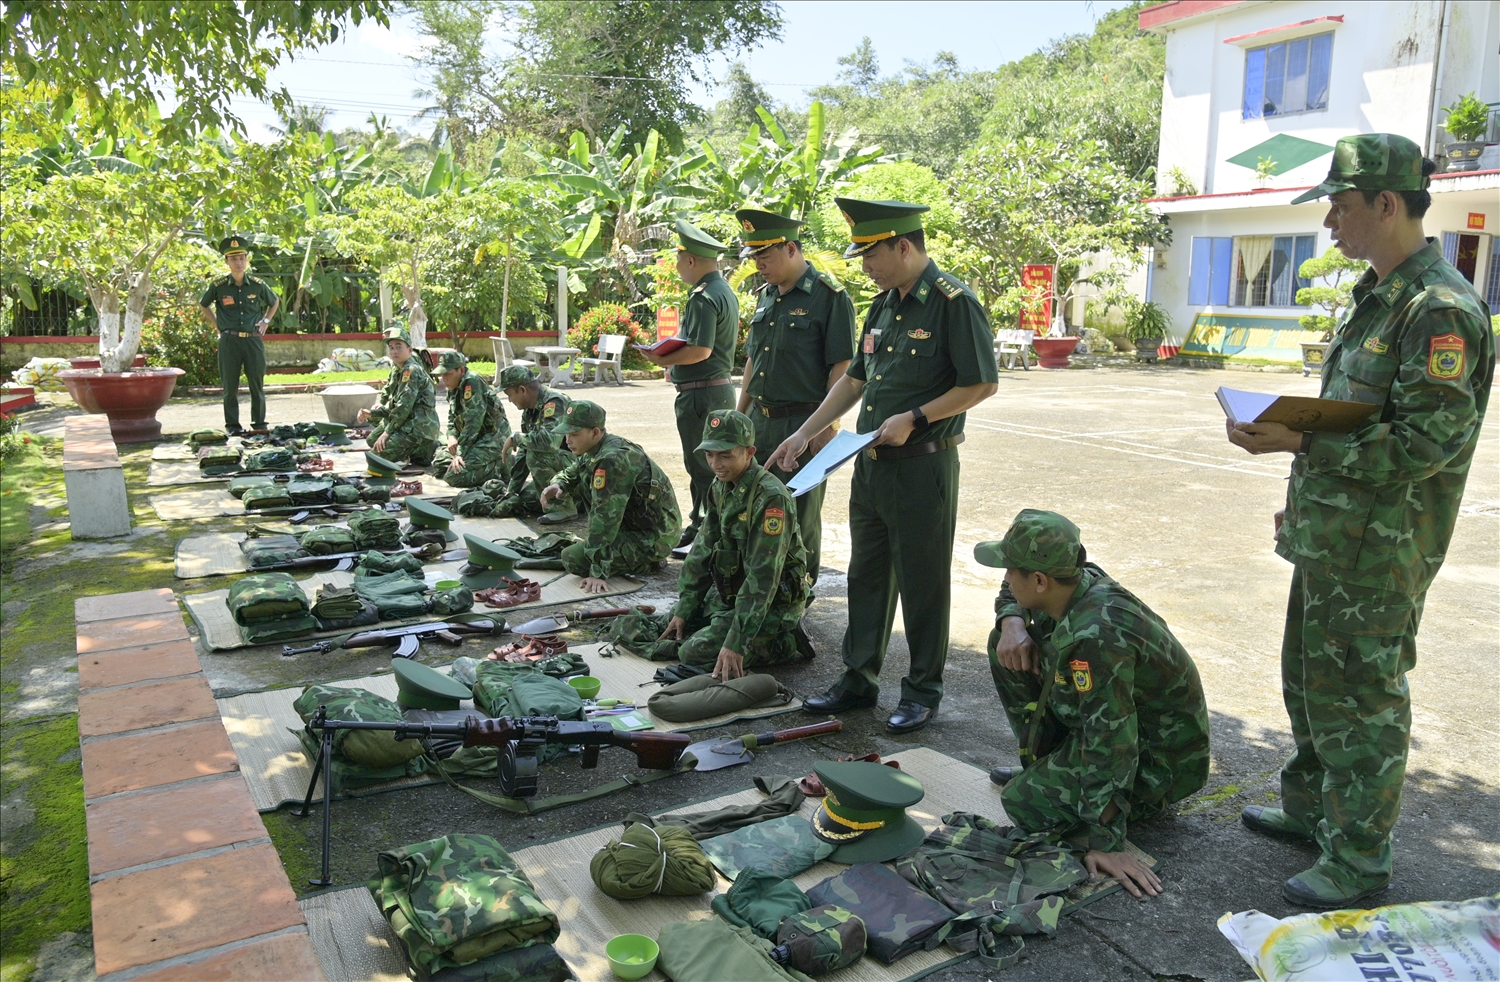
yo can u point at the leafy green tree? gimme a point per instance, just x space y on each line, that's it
1339 274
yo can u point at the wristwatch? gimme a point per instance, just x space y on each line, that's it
918 418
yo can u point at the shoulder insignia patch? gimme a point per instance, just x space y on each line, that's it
1445 356
919 334
1375 345
948 287
1058 678
700 287
549 410
405 375
468 392
774 521
599 476
1083 679
830 282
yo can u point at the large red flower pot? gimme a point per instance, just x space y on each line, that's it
1053 352
129 399
93 362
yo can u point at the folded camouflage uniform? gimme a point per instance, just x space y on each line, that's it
309 489
535 963
396 595
271 550
239 485
782 847
336 603
271 459
373 563
207 435
369 755
375 529
270 607
458 899
216 461
324 540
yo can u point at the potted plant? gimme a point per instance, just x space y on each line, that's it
1146 324
1339 274
1466 123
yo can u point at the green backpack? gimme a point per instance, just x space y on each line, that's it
345 494
375 529
266 496
271 459
366 756
239 485
327 540
266 596
309 489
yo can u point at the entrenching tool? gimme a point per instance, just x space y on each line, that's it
719 753
553 623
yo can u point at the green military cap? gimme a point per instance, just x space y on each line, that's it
1042 541
864 811
581 415
234 245
488 563
1371 162
333 434
725 429
452 361
516 375
397 333
421 687
872 221
380 470
763 229
426 515
693 239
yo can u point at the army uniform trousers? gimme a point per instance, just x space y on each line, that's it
776 644
247 355
630 553
692 408
769 434
414 450
541 466
1344 658
482 463
902 515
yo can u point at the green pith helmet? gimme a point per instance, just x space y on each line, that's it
516 375
764 229
864 812
493 560
1371 162
452 361
1042 541
581 415
421 687
873 221
726 429
691 238
426 515
234 245
397 333
333 434
380 471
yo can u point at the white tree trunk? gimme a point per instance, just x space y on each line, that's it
416 324
118 341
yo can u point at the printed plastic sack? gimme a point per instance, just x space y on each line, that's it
1402 942
351 360
42 373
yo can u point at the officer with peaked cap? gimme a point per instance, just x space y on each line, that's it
1106 705
801 340
477 428
744 586
540 452
701 368
240 307
1369 515
926 355
405 417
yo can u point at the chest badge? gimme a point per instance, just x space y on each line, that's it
919 334
799 312
1058 678
774 521
1375 345
1445 356
1083 678
227 300
869 343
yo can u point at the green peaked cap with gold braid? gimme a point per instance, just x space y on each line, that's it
864 812
874 221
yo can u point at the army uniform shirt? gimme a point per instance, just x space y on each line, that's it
408 404
476 419
1126 702
711 320
1375 508
633 516
538 424
796 338
916 349
238 308
750 549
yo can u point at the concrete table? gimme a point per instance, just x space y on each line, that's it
548 367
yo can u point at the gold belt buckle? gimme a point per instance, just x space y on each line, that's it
870 452
765 410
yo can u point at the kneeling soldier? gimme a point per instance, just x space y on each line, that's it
405 418
477 428
744 584
633 517
1105 703
540 452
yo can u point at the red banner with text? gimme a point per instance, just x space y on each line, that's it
666 323
1036 310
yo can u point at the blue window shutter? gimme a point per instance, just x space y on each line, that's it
1450 246
1255 82
1275 79
1319 70
1223 259
1198 274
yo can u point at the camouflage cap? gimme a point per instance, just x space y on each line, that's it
864 811
397 333
452 361
874 221
1043 541
516 375
581 415
419 686
764 229
726 429
692 239
234 245
1371 162
821 940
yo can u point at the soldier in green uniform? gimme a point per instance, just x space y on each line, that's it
745 584
801 340
240 307
700 369
540 453
1105 703
1369 515
477 428
633 515
405 418
925 356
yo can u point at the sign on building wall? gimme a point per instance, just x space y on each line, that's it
1036 312
667 323
1476 219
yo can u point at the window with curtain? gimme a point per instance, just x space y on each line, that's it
1291 77
1265 269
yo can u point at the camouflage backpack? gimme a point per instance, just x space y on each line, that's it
271 459
375 530
821 940
326 540
345 494
283 431
266 496
239 485
207 435
374 494
214 461
377 751
271 550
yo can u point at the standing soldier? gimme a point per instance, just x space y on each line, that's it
745 584
477 428
540 453
801 340
700 369
926 355
240 308
406 422
1369 515
633 514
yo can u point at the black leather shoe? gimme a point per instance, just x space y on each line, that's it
1004 774
836 700
688 535
909 716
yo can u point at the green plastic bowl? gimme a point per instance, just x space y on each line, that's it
631 956
447 585
587 687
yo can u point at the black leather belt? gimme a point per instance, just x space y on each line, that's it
913 449
706 384
782 412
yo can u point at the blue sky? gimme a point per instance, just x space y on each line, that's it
369 71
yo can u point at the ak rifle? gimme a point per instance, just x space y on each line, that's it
345 560
408 640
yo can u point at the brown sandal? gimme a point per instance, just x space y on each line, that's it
513 593
404 488
530 649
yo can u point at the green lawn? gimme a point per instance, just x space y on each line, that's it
483 368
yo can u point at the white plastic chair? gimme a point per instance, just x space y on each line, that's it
611 351
504 357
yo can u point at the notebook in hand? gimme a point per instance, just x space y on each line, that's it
1301 413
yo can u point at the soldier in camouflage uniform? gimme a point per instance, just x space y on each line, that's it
541 453
405 418
477 428
633 516
744 585
1369 515
1105 704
